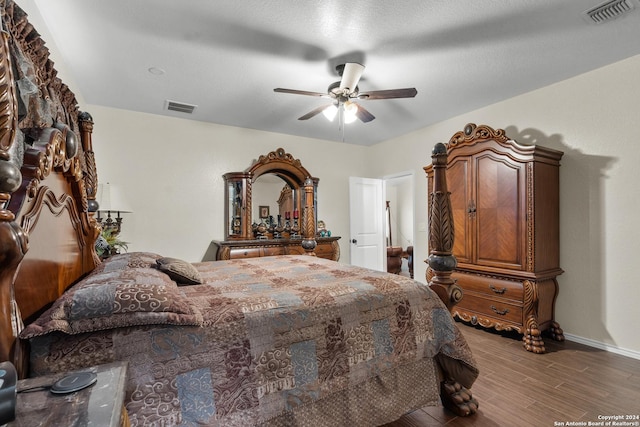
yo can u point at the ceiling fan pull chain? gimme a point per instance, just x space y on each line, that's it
341 120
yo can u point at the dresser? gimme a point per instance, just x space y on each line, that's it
327 247
505 206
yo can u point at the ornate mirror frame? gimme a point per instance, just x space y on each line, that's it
239 190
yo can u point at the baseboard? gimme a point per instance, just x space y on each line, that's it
603 346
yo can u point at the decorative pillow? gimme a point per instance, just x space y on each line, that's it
127 260
184 273
116 299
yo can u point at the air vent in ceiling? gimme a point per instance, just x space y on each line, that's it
180 107
609 10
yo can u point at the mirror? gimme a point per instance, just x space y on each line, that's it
235 203
268 200
275 194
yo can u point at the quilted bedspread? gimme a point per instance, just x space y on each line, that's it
286 340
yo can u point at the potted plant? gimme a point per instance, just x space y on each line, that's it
109 244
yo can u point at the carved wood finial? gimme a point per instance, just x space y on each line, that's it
91 177
309 219
441 233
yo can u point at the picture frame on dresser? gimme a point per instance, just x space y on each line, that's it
264 212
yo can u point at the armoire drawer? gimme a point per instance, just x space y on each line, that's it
497 309
492 287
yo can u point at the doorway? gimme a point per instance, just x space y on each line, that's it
371 230
399 228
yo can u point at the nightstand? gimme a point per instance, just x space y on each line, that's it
101 404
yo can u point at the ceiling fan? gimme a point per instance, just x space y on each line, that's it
343 92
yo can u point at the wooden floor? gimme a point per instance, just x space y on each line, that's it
571 383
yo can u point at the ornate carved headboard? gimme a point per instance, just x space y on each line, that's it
48 183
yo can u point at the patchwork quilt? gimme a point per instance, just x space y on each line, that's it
278 341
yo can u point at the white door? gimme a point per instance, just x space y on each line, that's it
366 204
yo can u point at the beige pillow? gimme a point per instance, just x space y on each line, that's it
184 273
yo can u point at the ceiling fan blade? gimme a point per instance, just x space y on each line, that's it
300 92
351 75
409 92
314 113
364 115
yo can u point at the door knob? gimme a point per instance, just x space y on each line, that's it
354 241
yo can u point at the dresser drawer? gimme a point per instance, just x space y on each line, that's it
492 287
245 253
327 247
324 251
493 308
295 249
273 250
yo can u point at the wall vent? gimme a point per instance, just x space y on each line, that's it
609 10
180 107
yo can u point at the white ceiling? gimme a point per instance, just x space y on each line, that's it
227 56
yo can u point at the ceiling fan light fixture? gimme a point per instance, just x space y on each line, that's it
330 112
350 112
351 75
344 91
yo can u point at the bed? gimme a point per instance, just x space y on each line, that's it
285 340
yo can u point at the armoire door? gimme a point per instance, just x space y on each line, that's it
488 206
499 214
460 184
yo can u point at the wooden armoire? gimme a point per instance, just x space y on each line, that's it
505 206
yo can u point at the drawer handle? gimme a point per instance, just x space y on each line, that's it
500 312
496 290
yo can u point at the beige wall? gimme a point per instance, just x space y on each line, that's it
171 171
593 118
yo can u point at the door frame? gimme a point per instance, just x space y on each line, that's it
385 180
410 176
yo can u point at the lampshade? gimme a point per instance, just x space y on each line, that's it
111 199
350 110
330 112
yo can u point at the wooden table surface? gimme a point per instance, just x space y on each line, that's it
100 404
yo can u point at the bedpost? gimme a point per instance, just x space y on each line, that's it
13 240
309 219
455 397
441 233
90 178
13 246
